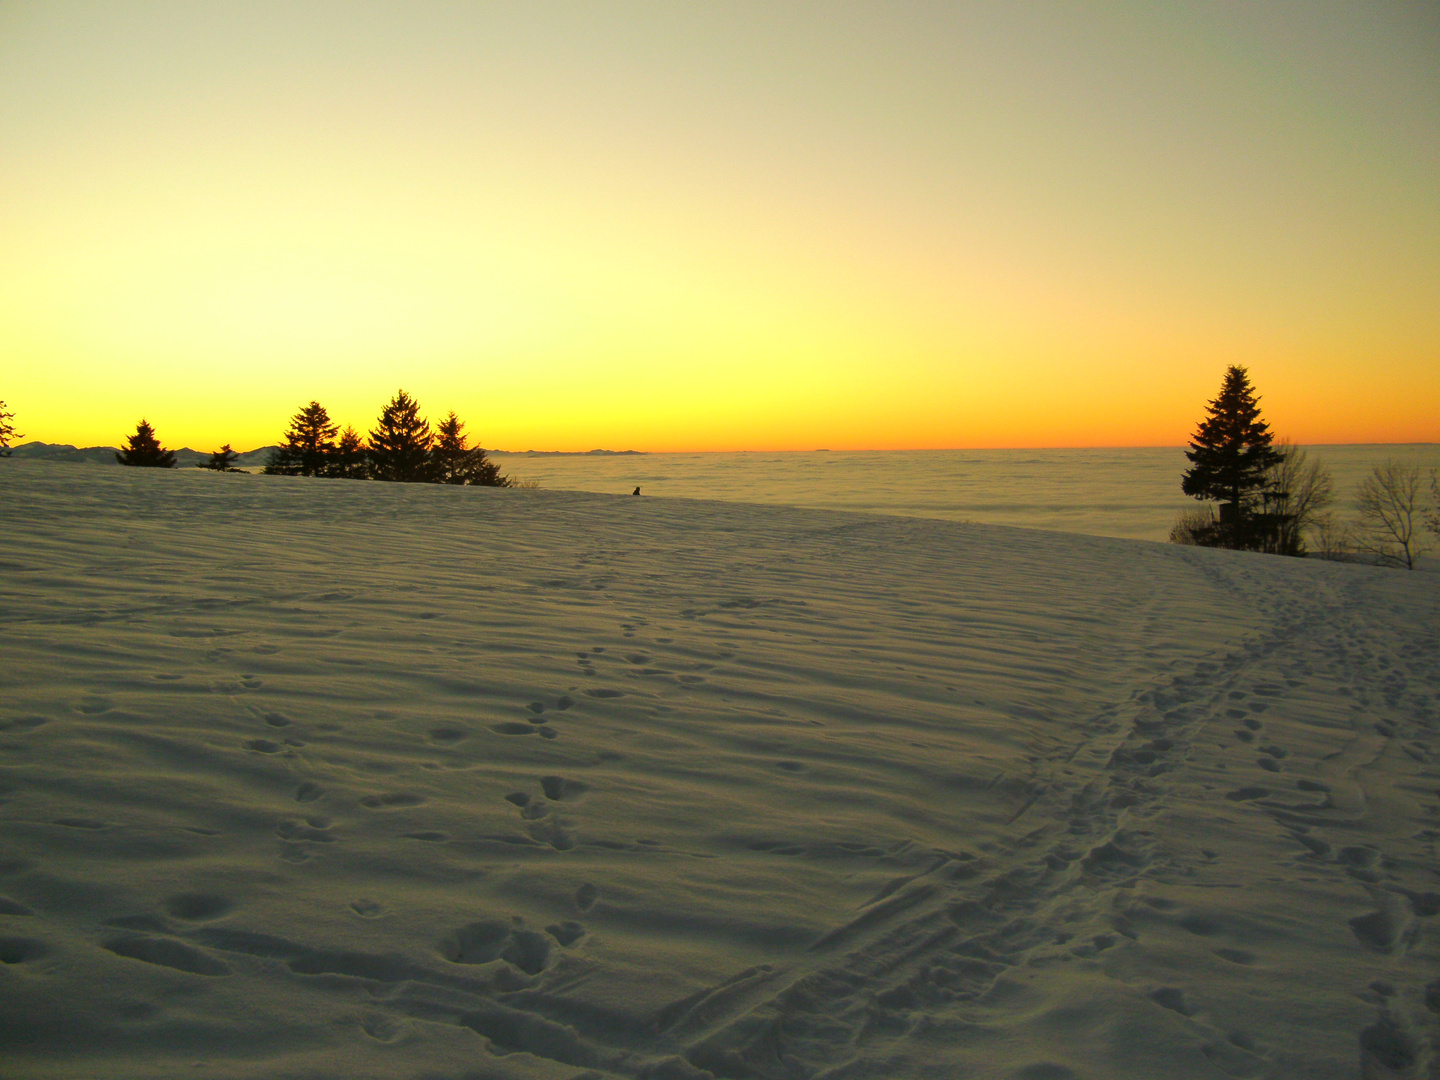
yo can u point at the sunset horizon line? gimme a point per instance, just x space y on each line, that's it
199 446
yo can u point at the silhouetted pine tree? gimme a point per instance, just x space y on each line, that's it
7 430
400 444
308 444
144 449
222 460
348 460
452 462
1230 456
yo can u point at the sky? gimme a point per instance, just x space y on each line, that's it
720 226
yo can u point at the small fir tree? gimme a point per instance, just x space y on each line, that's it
222 460
308 445
348 460
1230 456
143 449
7 430
453 462
399 447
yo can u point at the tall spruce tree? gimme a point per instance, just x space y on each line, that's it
348 461
308 446
143 449
400 444
453 462
1230 456
7 430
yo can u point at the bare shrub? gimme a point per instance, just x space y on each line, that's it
1333 539
1195 528
1432 515
1389 503
1301 489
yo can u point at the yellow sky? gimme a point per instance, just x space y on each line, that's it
707 226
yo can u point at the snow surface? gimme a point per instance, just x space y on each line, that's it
340 779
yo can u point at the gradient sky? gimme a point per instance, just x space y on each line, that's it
686 226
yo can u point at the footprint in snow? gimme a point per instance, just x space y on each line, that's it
534 727
559 789
497 939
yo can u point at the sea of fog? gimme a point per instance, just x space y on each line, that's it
1130 492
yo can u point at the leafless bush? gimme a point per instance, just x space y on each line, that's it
1389 503
1301 490
1195 528
1333 539
1432 515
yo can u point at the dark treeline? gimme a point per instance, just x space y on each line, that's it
1261 494
401 448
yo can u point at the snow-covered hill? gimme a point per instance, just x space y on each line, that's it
325 778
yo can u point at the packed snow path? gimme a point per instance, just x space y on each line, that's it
329 778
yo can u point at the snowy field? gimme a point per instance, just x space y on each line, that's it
338 779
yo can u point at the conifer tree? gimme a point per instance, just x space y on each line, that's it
7 430
348 460
452 462
222 460
143 449
399 447
1230 456
308 444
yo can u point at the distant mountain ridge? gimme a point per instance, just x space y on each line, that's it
105 455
